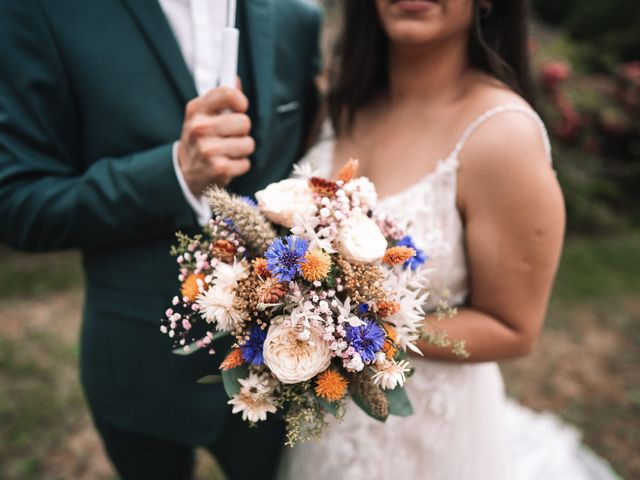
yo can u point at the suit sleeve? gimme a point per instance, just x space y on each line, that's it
49 198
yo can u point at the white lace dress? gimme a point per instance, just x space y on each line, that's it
463 427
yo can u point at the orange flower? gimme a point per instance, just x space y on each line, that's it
324 188
260 267
386 308
398 255
316 265
271 291
349 170
224 250
189 288
233 360
389 347
331 386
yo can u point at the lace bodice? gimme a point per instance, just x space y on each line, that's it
429 208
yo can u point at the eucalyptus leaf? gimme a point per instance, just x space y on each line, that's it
399 403
210 379
329 407
191 348
401 355
230 379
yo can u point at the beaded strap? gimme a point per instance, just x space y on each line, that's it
495 111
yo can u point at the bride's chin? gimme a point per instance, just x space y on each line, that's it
408 37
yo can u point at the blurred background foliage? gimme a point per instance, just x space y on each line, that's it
587 59
609 29
586 56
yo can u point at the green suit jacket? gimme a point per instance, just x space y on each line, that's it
92 96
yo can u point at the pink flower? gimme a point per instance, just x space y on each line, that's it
631 71
555 72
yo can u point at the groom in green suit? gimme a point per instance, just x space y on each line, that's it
104 144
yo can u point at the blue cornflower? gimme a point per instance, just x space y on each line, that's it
362 308
284 257
249 201
251 350
419 258
367 340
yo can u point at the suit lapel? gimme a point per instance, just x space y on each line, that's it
151 20
260 39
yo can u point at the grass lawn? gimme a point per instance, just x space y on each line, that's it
583 368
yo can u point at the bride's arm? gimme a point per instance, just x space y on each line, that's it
514 225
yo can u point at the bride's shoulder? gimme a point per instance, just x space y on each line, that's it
505 169
507 128
509 144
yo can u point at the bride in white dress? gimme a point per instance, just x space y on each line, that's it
412 78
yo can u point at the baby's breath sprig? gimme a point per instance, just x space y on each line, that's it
305 418
184 241
439 337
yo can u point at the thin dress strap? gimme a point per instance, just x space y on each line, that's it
510 107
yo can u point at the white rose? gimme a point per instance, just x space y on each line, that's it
360 240
292 360
280 202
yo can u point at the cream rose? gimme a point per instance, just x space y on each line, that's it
281 201
360 240
292 360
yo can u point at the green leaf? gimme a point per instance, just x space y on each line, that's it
210 379
193 347
230 379
399 403
330 280
401 355
329 407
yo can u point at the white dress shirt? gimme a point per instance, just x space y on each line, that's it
197 26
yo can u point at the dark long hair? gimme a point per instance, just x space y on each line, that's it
497 45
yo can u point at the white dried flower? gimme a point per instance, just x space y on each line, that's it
216 306
390 374
254 400
228 275
345 314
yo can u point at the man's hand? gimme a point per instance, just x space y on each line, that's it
215 143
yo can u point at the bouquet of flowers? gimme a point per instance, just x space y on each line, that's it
322 294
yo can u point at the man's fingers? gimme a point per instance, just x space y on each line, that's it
225 125
237 167
225 170
220 99
233 125
230 147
